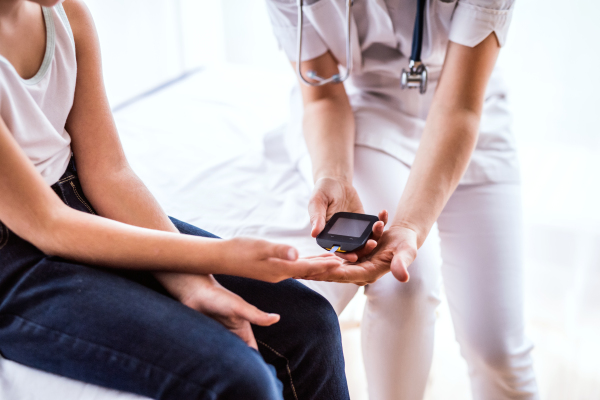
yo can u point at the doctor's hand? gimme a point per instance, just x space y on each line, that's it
332 195
204 294
396 250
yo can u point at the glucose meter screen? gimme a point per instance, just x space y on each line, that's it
349 227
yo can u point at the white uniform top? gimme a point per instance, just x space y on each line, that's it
35 110
389 118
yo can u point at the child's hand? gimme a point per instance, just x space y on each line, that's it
207 296
204 294
271 262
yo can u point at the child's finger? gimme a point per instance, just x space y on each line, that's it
255 316
281 251
320 256
304 267
350 257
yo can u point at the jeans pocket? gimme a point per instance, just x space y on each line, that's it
79 194
72 195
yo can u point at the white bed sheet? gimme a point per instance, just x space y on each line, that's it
210 148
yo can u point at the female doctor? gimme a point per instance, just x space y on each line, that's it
443 162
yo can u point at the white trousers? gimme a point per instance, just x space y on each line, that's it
480 246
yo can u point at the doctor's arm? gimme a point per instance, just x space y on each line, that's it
328 126
446 147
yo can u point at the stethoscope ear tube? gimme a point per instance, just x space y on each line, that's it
316 79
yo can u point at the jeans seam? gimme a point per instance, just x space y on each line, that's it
150 364
62 193
4 232
81 199
287 365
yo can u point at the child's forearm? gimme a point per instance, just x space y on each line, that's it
100 241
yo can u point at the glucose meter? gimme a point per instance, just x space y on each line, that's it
346 232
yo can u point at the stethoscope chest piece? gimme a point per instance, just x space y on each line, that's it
415 77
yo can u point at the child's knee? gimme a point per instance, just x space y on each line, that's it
250 378
319 326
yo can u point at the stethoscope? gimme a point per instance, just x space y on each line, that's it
413 78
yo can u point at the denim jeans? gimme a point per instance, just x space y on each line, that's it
121 329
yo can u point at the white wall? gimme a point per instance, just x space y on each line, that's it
552 63
202 32
249 38
140 44
146 43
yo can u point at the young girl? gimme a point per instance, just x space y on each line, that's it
97 283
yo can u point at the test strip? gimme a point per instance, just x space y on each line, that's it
334 249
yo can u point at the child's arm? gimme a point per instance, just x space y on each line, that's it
109 183
33 211
107 180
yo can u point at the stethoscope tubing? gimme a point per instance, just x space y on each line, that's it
417 40
316 79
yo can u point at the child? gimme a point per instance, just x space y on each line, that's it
98 284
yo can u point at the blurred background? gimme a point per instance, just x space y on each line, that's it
550 61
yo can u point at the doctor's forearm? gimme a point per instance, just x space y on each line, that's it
450 135
329 133
443 156
328 122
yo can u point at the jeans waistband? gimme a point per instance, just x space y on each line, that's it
69 190
70 172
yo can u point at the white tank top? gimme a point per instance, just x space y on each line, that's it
35 110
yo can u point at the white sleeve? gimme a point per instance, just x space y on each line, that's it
474 20
284 18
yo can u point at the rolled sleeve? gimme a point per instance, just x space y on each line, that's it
475 20
284 18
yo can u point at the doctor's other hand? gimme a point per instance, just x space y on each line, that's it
329 196
204 294
395 251
332 195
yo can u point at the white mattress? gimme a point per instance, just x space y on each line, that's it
210 149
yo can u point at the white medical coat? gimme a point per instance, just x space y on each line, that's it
388 118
